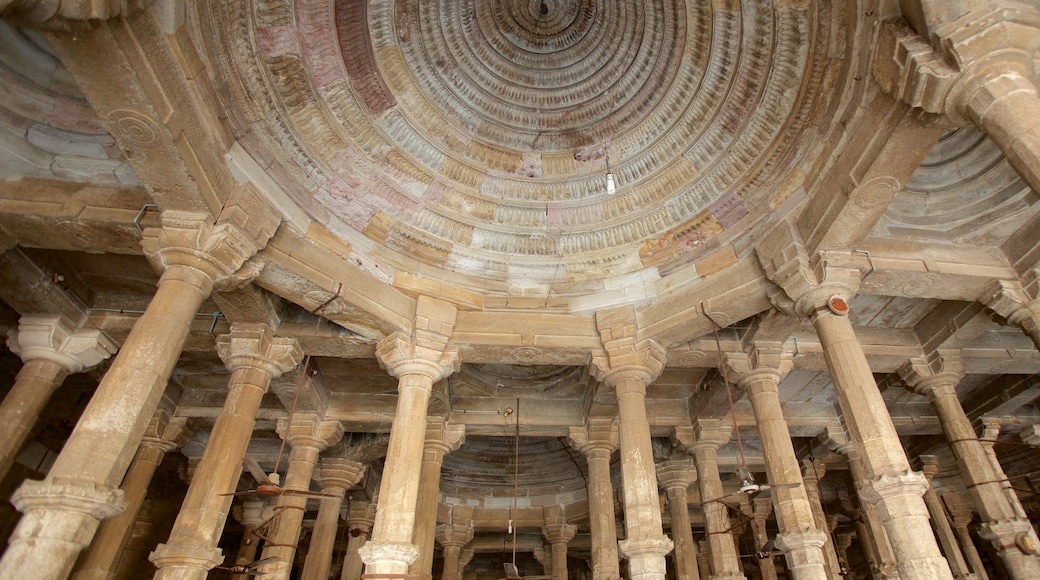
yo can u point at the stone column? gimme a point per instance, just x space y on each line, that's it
869 528
465 557
453 537
947 539
811 475
820 289
338 474
960 520
254 356
51 348
164 434
543 555
759 518
703 441
360 518
597 441
800 537
675 476
629 365
418 361
308 435
441 439
842 544
558 533
1004 522
704 559
62 512
250 514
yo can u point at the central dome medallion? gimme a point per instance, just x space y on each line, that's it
467 142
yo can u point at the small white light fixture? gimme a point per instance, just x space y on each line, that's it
611 188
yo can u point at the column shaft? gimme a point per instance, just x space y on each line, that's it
57 523
323 537
970 551
682 534
1007 108
1003 519
352 564
724 558
766 566
946 536
602 521
100 559
559 560
33 386
286 533
451 563
895 489
812 491
800 537
426 512
192 549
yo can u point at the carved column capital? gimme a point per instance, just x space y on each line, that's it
676 474
404 553
250 512
443 438
216 249
559 533
255 346
455 535
759 362
360 517
643 360
79 497
806 284
400 355
923 374
339 473
908 483
165 432
632 548
598 438
706 434
308 430
54 338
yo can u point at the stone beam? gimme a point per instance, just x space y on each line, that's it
145 95
865 173
31 289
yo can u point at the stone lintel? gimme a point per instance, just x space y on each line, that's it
52 337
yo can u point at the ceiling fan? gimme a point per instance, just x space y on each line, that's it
269 485
250 569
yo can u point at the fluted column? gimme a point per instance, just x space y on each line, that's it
811 475
960 518
820 288
598 441
360 518
703 441
164 434
453 538
1004 522
250 514
948 540
675 476
629 366
62 512
441 439
51 348
761 509
418 361
308 435
254 356
337 475
800 537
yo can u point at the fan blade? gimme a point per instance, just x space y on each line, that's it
304 493
264 562
255 470
781 485
250 493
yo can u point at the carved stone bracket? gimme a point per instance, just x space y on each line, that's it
924 373
598 436
457 535
309 430
254 346
54 338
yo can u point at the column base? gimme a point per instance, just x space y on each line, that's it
1016 544
803 552
184 561
388 559
60 518
645 556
